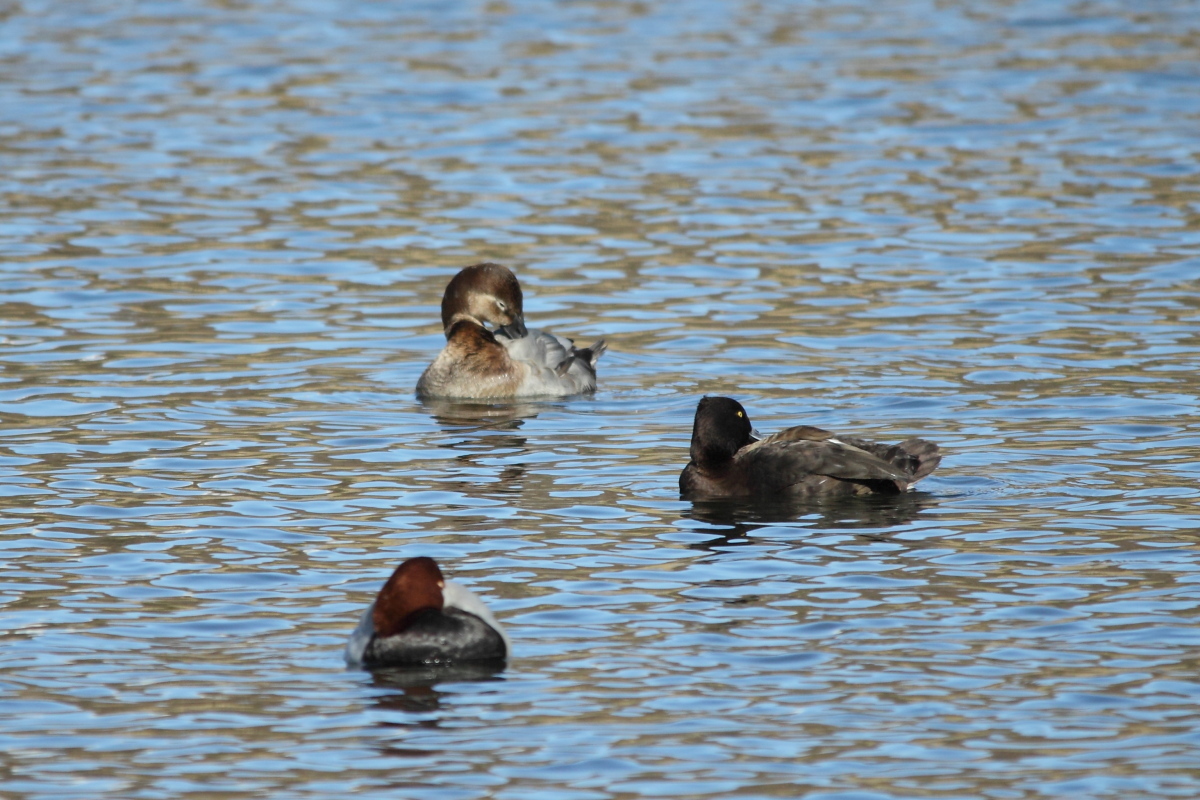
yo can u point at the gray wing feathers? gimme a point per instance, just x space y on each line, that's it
556 366
539 347
846 462
806 450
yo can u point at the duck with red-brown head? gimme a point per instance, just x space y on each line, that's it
420 619
510 362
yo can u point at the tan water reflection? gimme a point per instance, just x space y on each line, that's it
226 234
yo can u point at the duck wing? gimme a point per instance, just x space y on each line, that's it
792 456
550 351
800 433
555 366
789 462
916 458
538 348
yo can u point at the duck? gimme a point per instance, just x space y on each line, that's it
509 363
730 460
420 619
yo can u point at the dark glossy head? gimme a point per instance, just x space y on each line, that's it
487 294
416 585
722 427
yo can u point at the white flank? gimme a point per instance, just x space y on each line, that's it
360 638
455 595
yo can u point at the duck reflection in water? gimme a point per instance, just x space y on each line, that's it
414 695
734 522
455 415
413 690
485 430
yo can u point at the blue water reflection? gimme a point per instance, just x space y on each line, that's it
226 234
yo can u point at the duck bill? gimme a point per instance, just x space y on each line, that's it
755 436
515 329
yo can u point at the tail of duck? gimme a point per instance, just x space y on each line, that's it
592 354
917 457
588 356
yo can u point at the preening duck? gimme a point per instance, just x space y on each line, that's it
511 362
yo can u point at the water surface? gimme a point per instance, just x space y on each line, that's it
225 232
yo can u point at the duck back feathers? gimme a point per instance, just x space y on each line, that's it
437 636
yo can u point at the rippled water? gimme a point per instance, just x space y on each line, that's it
224 236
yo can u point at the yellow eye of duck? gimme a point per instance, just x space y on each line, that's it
740 414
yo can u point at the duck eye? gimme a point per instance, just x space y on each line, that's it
740 414
503 306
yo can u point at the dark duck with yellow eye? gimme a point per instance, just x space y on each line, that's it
728 461
510 363
420 619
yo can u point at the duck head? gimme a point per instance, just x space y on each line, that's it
485 294
722 427
416 585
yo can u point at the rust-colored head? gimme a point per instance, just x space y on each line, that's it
487 294
415 586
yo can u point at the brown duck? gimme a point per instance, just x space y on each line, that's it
728 460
